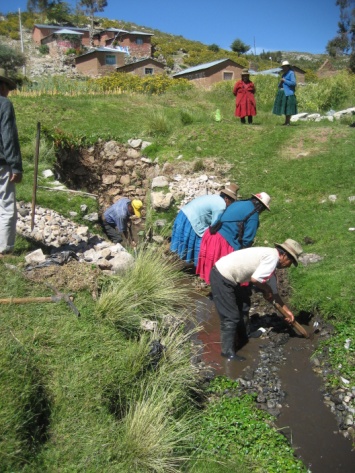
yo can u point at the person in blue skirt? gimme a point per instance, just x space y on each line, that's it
193 220
285 101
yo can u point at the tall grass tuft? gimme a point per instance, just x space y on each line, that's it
158 124
151 440
153 287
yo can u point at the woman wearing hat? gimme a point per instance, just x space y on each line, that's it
244 91
285 101
193 220
234 230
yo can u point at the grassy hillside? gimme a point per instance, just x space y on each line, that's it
85 394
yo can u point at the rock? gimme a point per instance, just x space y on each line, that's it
121 261
160 181
159 200
47 173
109 179
35 257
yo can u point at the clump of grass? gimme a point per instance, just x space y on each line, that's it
151 440
198 166
186 117
152 286
158 124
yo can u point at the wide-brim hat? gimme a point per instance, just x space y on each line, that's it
137 205
292 248
4 78
245 72
285 63
264 198
231 190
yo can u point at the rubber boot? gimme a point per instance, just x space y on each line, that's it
228 343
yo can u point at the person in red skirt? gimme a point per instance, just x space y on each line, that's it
244 91
235 229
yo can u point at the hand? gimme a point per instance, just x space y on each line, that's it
289 317
16 178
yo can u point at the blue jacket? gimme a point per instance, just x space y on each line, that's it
289 84
233 214
118 214
202 211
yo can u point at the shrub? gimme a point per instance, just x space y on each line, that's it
43 49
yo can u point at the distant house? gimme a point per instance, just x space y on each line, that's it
62 40
143 67
276 72
99 61
205 75
41 31
138 43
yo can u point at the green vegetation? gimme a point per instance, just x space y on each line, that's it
85 394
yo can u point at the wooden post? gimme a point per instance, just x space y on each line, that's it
34 192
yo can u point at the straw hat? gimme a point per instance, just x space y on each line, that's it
264 198
245 72
5 78
231 190
293 248
285 63
137 205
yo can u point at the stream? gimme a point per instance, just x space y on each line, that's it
278 367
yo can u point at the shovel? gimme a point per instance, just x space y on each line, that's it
294 324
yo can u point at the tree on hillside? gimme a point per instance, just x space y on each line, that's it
59 12
91 7
344 41
38 5
11 59
214 47
239 47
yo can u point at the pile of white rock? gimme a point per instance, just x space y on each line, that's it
58 234
317 117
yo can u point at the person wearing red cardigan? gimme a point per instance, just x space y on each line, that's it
244 91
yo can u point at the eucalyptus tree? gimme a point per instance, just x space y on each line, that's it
344 42
91 7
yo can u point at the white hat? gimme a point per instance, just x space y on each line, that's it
293 248
264 198
285 63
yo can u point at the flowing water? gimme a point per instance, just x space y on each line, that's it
305 419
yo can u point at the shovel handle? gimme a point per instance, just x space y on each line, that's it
294 324
25 300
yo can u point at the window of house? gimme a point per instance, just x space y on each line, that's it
139 40
110 59
148 71
227 75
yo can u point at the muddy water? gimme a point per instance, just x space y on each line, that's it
306 421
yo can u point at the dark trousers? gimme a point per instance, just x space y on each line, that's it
111 231
232 301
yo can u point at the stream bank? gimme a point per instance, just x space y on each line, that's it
279 370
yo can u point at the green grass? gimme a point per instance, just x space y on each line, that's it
75 387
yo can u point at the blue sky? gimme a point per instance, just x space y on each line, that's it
269 25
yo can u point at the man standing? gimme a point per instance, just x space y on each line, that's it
10 166
256 265
116 219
